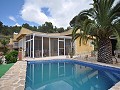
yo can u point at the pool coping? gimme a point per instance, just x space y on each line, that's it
14 79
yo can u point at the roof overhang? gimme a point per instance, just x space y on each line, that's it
22 33
52 36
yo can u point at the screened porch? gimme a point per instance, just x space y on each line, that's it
44 45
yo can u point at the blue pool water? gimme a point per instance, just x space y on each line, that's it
69 75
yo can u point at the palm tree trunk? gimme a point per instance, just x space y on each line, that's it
105 51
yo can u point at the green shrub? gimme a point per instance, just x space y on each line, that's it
11 57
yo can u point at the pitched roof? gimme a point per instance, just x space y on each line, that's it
25 31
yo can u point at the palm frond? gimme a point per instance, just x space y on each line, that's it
116 26
114 11
100 21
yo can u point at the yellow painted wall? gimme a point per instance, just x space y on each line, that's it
11 41
79 49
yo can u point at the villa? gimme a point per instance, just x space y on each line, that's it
62 73
37 44
66 74
43 61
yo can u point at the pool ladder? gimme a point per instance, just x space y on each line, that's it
61 67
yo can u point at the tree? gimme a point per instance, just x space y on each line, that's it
15 29
1 26
5 30
46 28
61 29
68 28
79 26
4 42
8 30
102 22
55 29
26 25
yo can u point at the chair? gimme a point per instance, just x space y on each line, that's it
37 53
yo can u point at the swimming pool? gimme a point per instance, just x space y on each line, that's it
69 75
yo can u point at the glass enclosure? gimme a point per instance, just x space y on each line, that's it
54 46
67 46
45 47
40 46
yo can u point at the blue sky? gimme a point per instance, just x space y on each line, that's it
37 12
11 8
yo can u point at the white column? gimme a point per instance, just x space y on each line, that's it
33 45
49 47
58 46
22 43
42 47
23 47
30 47
64 46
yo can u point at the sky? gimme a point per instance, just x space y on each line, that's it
37 12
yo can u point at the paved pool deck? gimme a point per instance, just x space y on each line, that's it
14 78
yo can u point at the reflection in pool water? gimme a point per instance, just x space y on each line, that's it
67 76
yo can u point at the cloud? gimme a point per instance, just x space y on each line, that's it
61 11
17 24
12 18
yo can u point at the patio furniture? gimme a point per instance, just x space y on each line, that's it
37 53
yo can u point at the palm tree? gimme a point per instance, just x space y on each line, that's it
102 22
